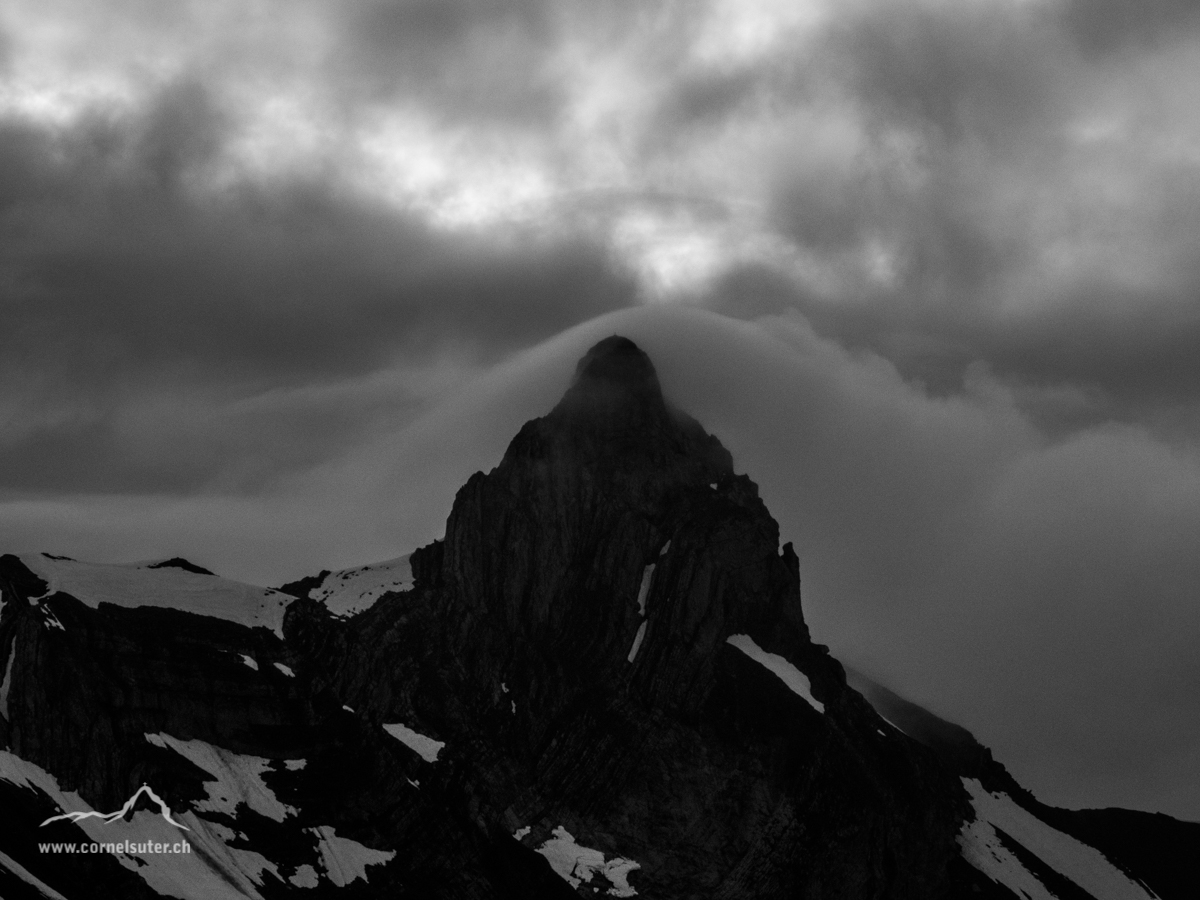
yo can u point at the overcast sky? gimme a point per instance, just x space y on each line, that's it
276 275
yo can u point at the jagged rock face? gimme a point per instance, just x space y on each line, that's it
87 684
599 682
548 551
93 697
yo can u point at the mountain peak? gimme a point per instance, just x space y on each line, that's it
620 363
615 375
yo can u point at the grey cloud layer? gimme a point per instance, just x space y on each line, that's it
121 278
1013 235
1107 26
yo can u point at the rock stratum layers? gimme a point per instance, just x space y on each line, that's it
599 683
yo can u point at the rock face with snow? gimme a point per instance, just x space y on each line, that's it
599 683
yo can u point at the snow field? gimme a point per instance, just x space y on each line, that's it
796 680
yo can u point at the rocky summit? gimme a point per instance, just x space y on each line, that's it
598 684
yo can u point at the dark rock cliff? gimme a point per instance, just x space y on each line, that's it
691 757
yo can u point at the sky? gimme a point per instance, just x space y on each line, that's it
275 277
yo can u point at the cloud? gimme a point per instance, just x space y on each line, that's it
1079 567
1108 26
957 68
468 58
116 235
128 275
960 185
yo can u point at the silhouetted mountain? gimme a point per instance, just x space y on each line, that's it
600 682
1152 848
178 562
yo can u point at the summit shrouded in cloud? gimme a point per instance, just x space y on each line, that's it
275 278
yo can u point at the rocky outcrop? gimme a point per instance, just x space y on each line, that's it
178 562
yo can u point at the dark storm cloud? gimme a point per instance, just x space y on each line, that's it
5 51
1069 370
122 273
472 58
950 88
1135 358
752 291
111 249
1105 26
703 99
964 173
962 69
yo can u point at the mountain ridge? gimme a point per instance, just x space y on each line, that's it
599 681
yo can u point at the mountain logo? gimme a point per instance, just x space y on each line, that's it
109 818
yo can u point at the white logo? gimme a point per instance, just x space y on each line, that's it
112 817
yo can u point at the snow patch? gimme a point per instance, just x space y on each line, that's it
713 485
346 708
637 640
1085 866
29 878
235 779
504 687
576 864
788 673
171 588
521 833
285 670
294 765
50 620
250 661
981 847
666 547
425 747
31 776
4 685
214 838
351 591
644 589
513 706
345 860
305 877
617 872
